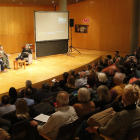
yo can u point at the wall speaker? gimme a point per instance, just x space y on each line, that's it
71 22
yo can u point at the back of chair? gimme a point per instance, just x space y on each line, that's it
133 132
9 115
67 132
88 115
20 130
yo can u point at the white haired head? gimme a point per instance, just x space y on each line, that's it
102 77
83 95
28 83
118 78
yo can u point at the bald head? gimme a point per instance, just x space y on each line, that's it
82 74
63 98
113 70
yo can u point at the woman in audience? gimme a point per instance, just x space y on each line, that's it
102 80
121 69
70 84
88 68
86 105
105 62
13 95
127 67
118 126
100 62
21 112
104 96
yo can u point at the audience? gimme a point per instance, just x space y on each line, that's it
127 67
116 55
43 93
86 105
121 69
105 62
27 94
109 57
64 114
28 84
88 68
72 72
6 108
12 95
70 84
110 64
118 126
82 81
118 80
137 73
98 69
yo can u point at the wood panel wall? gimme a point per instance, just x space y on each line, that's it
109 25
17 25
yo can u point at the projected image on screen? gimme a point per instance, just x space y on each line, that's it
51 25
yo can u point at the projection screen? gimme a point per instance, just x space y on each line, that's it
51 26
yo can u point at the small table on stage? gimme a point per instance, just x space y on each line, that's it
16 63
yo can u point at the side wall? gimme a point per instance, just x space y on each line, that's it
17 25
109 25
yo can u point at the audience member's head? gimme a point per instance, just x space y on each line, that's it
93 73
12 92
116 53
137 82
1 47
88 67
118 78
5 99
83 95
62 99
65 75
110 62
91 81
102 77
72 72
28 83
120 68
99 68
119 61
82 74
108 57
46 86
112 70
131 94
104 93
27 46
71 81
127 65
100 62
93 65
22 109
27 92
105 61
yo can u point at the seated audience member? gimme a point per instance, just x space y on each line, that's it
43 93
21 112
25 52
88 68
110 64
100 62
127 67
109 57
105 62
121 69
72 72
119 61
6 108
82 81
111 73
63 82
93 65
4 57
137 73
70 84
116 55
102 80
119 124
86 105
118 80
13 95
64 115
2 67
28 84
104 97
98 69
27 94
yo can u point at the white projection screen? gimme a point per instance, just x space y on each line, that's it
51 26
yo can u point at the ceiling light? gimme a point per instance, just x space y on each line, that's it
20 3
52 1
76 0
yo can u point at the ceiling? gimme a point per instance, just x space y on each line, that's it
41 2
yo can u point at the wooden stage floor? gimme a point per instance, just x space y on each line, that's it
48 67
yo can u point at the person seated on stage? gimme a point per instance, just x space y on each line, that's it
4 58
6 108
2 67
28 84
27 94
116 55
25 52
43 93
64 114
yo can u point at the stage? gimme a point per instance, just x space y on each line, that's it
46 68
